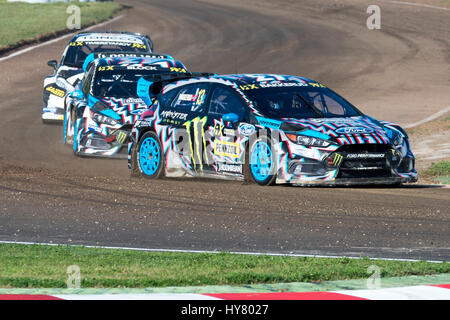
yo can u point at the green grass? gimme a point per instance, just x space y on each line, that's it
38 266
25 22
438 172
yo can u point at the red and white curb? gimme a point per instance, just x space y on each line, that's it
425 292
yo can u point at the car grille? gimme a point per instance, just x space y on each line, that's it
365 161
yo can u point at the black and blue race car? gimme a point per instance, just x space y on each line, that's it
69 71
265 128
101 111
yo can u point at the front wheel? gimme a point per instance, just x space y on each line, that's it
262 163
68 132
77 131
149 156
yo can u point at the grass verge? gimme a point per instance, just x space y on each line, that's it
438 172
40 266
23 23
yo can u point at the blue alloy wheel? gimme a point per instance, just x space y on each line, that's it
261 164
149 156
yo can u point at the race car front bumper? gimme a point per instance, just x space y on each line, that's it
93 144
341 170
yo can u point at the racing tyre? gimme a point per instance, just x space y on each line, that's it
77 131
262 163
135 171
150 156
68 132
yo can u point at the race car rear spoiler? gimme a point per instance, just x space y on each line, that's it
97 55
150 86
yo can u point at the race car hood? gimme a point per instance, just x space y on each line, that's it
345 130
124 110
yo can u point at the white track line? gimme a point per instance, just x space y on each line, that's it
416 4
429 118
216 252
20 52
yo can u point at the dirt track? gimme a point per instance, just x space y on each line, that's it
399 73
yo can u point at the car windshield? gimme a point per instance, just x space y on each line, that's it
121 83
301 102
78 51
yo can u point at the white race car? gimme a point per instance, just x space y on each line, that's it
70 69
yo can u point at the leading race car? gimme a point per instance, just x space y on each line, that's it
101 112
269 129
70 71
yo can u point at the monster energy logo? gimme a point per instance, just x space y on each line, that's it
197 143
337 160
121 136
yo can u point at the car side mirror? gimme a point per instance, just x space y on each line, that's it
230 117
52 63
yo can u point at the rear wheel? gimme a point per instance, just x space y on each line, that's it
150 156
135 171
262 164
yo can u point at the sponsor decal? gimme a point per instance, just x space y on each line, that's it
269 123
113 37
229 168
141 67
278 84
353 130
365 155
76 44
229 132
174 69
316 85
96 129
249 87
132 55
138 45
218 129
227 149
121 136
57 92
142 123
137 112
106 68
199 142
174 115
337 159
187 97
133 100
247 129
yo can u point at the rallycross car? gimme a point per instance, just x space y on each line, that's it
100 113
269 129
70 71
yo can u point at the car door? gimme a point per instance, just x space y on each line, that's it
225 111
186 114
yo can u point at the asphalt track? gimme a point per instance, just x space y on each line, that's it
399 73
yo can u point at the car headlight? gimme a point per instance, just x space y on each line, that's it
397 138
101 118
307 141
